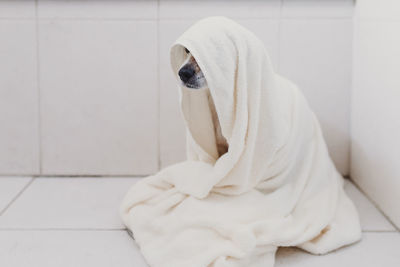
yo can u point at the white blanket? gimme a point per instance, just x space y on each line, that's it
276 186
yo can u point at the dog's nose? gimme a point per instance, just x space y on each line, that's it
186 73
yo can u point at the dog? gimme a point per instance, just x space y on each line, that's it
190 73
192 77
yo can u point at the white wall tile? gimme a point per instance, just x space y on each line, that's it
17 9
69 248
268 32
383 9
9 188
78 203
99 97
19 141
316 55
117 9
317 8
177 9
172 130
375 113
68 71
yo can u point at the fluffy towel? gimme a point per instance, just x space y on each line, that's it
276 185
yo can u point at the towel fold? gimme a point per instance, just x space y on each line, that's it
275 186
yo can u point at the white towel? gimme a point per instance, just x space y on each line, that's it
276 185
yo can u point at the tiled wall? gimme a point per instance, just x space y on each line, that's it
86 86
375 104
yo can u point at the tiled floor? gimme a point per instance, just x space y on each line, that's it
74 222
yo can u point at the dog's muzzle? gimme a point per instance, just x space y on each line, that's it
186 73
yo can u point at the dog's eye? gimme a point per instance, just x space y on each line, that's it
186 50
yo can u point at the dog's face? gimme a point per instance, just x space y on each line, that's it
190 73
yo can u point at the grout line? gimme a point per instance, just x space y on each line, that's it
158 89
92 176
378 20
195 18
279 37
310 18
317 18
65 229
376 205
74 176
16 176
16 18
129 233
38 90
351 97
379 231
78 19
16 196
127 230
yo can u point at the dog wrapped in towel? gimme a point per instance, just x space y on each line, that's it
276 186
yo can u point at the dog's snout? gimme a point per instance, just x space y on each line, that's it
186 73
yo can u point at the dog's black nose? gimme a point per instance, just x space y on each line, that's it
186 73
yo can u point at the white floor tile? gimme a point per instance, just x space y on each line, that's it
10 187
99 97
85 203
93 203
69 249
116 248
371 218
375 249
